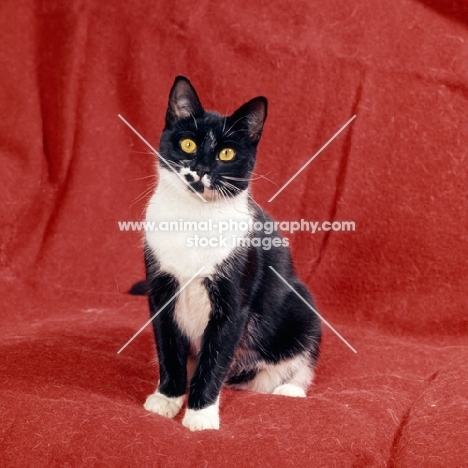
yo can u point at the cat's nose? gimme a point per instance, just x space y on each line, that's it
201 170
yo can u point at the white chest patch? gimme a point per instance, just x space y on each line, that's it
192 311
181 220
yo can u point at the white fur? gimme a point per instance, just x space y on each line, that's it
206 181
192 311
212 139
164 405
290 390
186 170
174 201
200 420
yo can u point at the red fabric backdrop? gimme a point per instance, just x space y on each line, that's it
396 288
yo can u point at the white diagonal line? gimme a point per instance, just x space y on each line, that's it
160 310
162 159
312 158
310 307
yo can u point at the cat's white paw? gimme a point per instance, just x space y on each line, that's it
200 420
164 405
290 390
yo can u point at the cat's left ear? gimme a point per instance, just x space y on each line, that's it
251 117
183 102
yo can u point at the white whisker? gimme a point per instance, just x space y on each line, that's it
146 193
142 178
263 213
194 119
228 130
143 152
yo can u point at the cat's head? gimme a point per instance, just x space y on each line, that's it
214 154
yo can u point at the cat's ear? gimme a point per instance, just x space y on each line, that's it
183 102
251 117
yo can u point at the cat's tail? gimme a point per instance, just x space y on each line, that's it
139 289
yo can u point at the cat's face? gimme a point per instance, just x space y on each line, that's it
214 154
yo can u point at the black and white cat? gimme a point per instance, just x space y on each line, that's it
236 323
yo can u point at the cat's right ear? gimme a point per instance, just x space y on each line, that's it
250 117
183 102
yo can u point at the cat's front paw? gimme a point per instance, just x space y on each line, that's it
200 420
164 405
290 390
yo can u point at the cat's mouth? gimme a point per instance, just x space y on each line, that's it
195 183
210 189
210 192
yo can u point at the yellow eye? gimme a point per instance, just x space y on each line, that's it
188 146
227 154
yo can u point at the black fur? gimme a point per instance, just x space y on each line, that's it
139 289
255 318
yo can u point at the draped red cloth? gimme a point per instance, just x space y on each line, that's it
395 288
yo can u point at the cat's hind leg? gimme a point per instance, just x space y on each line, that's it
289 377
297 385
